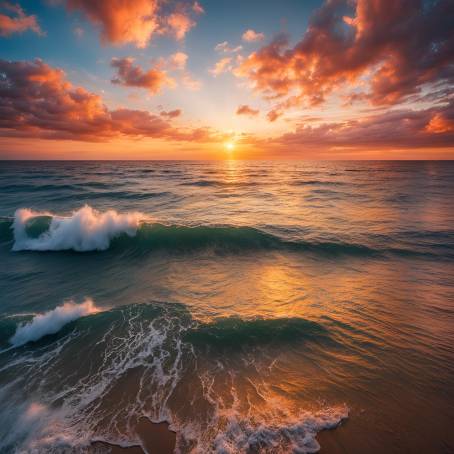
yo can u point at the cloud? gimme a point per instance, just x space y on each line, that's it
136 22
252 36
226 48
403 128
221 66
379 52
171 113
273 115
440 123
121 22
38 101
197 8
246 110
130 75
179 24
14 20
189 82
178 61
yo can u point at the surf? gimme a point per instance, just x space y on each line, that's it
52 321
89 230
84 230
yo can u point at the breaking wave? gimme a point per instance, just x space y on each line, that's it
88 229
135 362
52 321
85 230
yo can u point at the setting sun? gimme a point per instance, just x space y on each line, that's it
229 146
227 226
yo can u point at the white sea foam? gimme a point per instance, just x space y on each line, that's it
52 321
86 229
136 340
296 434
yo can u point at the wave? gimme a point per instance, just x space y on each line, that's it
88 229
52 321
85 230
217 183
235 332
146 343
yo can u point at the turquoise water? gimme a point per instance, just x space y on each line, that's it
252 305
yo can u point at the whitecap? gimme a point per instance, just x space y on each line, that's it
52 321
86 229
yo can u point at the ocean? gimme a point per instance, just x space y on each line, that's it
253 306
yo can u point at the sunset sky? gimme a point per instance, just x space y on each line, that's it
212 79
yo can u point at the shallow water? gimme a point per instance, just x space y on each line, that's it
249 304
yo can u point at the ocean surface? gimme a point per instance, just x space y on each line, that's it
257 307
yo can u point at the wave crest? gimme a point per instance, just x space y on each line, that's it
85 230
52 321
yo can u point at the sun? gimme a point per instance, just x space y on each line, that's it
229 146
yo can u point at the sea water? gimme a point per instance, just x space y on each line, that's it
252 305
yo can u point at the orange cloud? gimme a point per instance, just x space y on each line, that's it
121 21
14 20
430 128
38 101
130 75
135 22
246 110
171 113
374 52
439 124
221 66
251 36
179 24
178 60
273 115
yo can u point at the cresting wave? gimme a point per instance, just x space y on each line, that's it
52 321
140 352
85 230
88 229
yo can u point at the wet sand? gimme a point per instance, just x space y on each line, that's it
156 438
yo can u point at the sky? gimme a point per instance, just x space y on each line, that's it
218 79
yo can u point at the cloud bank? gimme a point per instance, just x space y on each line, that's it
38 101
381 51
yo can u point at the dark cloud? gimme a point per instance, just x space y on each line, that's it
382 50
38 101
130 75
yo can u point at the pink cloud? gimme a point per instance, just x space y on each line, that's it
197 8
178 61
252 36
246 110
179 24
221 66
14 20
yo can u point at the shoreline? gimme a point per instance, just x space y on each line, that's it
155 437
